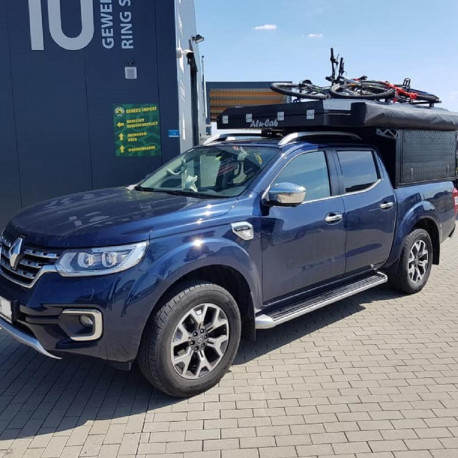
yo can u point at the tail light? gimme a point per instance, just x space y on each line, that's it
455 200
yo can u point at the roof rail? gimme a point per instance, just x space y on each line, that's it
232 137
297 135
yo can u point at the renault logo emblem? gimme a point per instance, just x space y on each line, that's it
15 253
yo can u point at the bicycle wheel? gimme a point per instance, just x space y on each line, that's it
301 90
361 90
425 96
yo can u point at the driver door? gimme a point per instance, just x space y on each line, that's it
305 245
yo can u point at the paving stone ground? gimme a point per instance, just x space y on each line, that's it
375 376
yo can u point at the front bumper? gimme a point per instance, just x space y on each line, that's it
25 338
47 317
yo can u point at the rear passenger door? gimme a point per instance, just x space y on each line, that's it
370 209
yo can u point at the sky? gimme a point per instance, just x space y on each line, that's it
289 40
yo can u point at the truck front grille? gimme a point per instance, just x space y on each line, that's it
33 261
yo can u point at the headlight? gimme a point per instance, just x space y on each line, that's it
100 261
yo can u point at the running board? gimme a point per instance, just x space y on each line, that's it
286 313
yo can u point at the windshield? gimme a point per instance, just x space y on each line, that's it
213 171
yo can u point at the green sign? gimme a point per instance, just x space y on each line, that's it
137 131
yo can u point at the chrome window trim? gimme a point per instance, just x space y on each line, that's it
372 186
266 192
376 165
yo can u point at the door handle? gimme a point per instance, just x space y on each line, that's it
334 217
387 205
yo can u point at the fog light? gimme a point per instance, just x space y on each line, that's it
86 321
88 318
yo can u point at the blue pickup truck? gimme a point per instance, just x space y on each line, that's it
241 234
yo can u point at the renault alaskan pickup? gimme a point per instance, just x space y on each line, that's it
241 234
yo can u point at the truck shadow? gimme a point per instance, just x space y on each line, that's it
77 395
270 340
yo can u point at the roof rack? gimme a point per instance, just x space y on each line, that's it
297 135
285 138
230 136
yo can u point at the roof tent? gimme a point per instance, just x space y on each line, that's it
338 113
417 143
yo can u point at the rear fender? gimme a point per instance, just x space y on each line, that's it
422 211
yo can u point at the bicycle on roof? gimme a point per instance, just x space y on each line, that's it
402 93
356 88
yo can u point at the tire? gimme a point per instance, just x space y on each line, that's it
425 96
414 280
301 91
368 91
166 357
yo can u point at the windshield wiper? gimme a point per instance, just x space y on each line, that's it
141 188
179 192
182 192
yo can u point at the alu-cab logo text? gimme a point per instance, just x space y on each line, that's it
264 124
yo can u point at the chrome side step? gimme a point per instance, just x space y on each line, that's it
286 313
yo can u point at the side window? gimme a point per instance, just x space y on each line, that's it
311 171
358 169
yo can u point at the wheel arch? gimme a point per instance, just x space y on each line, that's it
228 278
423 215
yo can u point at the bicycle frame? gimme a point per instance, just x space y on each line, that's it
401 91
404 90
339 65
336 64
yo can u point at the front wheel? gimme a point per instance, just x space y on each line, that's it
191 341
425 96
415 263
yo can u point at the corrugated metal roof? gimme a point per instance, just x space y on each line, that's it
221 98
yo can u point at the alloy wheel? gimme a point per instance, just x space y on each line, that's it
418 261
200 341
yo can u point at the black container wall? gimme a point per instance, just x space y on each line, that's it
61 76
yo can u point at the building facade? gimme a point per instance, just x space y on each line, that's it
94 93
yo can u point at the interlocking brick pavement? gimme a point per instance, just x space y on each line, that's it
375 376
